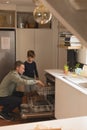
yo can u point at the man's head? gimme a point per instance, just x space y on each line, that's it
19 67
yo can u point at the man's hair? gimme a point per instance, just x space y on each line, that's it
18 64
30 53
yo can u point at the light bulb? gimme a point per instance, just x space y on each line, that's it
42 15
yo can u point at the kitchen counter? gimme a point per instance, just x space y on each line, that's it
72 79
70 95
78 123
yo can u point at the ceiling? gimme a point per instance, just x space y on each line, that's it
76 4
73 18
18 2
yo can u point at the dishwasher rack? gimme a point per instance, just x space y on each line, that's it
40 103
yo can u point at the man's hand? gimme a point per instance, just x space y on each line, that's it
40 83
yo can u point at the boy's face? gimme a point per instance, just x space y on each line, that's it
30 59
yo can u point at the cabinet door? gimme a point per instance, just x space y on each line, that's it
62 58
25 42
41 41
82 55
43 49
7 19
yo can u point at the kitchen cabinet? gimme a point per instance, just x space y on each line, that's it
82 55
43 42
13 19
70 102
40 40
7 19
24 41
44 50
70 95
26 20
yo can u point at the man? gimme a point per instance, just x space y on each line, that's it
7 87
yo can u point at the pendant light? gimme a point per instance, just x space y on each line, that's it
41 13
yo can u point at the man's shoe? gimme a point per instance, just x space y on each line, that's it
5 116
12 114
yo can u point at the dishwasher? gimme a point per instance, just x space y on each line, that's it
40 102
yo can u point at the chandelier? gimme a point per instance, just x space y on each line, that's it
41 13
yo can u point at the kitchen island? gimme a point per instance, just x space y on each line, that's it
77 123
70 94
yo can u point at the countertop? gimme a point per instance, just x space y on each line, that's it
77 123
72 79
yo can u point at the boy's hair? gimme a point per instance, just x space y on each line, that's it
30 53
18 64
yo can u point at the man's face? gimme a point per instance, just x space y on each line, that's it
20 69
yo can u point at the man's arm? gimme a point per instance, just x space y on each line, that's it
19 80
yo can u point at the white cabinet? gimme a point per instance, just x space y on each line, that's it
43 49
41 41
69 101
62 57
82 55
24 41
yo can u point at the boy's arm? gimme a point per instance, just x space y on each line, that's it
36 72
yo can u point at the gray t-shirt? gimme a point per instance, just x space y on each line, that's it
11 81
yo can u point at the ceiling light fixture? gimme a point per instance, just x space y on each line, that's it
41 13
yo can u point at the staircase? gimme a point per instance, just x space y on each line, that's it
72 14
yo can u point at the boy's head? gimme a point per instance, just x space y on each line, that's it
30 55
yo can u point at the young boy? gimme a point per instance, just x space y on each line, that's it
30 65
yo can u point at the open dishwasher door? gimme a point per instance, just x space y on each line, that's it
40 102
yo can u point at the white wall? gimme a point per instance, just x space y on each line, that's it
82 55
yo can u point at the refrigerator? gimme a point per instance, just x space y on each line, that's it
7 51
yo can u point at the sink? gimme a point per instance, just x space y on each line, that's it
83 85
77 80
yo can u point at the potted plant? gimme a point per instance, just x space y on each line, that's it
66 69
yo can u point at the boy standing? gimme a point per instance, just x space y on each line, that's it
30 65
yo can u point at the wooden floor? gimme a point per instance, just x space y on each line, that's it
21 121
